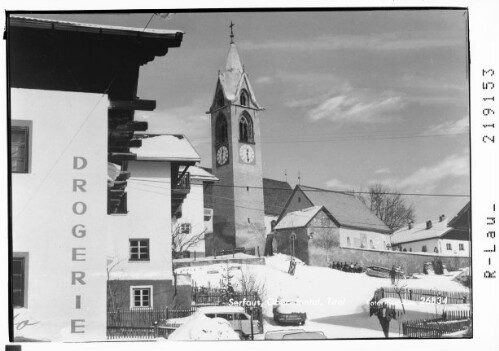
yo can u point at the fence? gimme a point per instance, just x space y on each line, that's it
433 328
432 296
141 323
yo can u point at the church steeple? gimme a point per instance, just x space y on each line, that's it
233 63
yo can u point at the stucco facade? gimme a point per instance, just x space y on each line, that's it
56 226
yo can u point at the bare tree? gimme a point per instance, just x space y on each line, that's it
250 284
114 292
182 241
388 205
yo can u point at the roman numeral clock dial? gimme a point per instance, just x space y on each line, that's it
222 155
246 154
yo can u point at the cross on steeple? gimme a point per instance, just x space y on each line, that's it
231 32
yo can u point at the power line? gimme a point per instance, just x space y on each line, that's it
298 213
286 140
309 189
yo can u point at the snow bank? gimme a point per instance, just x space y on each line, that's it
200 327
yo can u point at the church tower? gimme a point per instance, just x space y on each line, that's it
238 219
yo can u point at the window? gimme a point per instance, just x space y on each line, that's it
405 250
221 135
449 246
435 249
139 249
424 249
185 228
226 316
19 147
208 213
348 241
18 274
210 315
141 296
410 249
246 128
461 247
241 317
244 98
371 244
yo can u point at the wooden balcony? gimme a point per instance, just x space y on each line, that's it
180 189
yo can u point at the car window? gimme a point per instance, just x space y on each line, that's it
210 315
226 316
242 317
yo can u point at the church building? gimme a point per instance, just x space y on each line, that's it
238 199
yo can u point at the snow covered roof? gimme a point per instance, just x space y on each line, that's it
346 209
419 232
298 219
165 147
42 23
200 173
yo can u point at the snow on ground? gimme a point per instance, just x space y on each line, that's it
324 292
200 327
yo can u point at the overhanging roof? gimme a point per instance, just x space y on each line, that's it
70 56
41 23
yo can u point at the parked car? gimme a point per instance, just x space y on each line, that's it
289 312
239 320
294 334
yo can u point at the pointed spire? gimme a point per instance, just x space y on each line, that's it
233 61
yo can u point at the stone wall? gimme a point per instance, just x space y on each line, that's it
411 262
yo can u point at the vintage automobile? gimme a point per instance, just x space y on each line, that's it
294 334
289 311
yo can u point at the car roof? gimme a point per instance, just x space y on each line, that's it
279 334
221 309
310 335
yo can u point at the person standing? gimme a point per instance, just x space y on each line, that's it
393 274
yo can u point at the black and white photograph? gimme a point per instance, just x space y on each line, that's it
247 174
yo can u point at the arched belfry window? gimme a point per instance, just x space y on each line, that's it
220 99
221 134
246 128
244 98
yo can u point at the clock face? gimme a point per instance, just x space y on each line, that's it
222 155
246 153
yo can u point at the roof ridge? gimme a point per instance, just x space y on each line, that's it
326 190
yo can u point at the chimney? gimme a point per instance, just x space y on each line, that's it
442 218
428 224
411 224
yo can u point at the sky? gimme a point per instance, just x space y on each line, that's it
351 98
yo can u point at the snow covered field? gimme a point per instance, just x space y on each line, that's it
327 294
